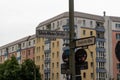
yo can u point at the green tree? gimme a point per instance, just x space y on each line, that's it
29 71
2 72
11 69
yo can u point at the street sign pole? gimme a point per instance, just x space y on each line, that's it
71 38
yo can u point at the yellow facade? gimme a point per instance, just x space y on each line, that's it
90 73
54 58
39 55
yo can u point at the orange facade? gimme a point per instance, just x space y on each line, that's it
27 53
115 60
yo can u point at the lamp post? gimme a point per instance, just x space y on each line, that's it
71 38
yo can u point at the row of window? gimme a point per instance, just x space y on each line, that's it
84 32
85 75
53 65
53 76
101 75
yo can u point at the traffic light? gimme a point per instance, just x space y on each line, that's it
65 65
80 63
80 56
65 56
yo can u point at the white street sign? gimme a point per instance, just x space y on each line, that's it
83 42
52 34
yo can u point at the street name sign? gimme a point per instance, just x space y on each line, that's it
83 42
52 34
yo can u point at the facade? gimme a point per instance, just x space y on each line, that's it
47 52
86 25
112 38
22 49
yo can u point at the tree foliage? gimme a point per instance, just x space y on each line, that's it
12 70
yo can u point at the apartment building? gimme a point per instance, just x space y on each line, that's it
22 49
50 59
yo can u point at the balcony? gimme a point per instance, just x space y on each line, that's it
100 39
47 70
18 50
100 28
6 54
100 59
47 51
18 58
65 48
47 60
65 27
100 49
47 41
100 70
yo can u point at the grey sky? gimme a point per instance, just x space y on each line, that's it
19 18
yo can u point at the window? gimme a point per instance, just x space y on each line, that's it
43 48
23 44
33 41
57 75
91 33
42 66
118 36
12 48
29 43
57 54
57 64
91 64
84 75
84 32
53 45
42 57
91 54
29 52
53 25
91 23
84 23
48 27
52 76
92 75
118 66
57 43
52 65
39 49
52 55
57 23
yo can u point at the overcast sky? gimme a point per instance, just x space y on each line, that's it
19 18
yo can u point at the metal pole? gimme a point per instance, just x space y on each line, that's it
71 44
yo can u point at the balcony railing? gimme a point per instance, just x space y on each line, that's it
100 39
100 70
100 59
100 49
100 28
47 41
47 51
47 60
47 70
